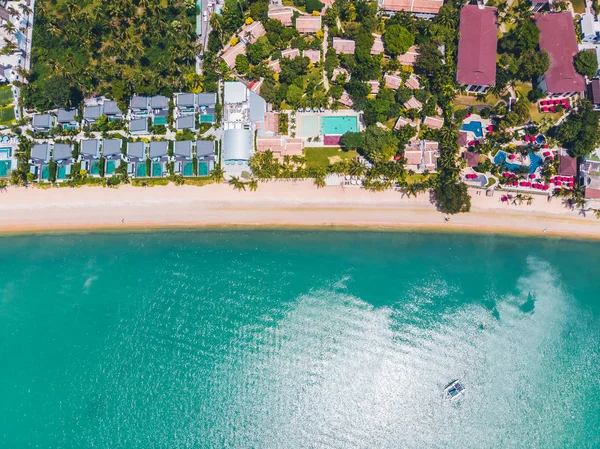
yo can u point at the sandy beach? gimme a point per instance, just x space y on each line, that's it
274 204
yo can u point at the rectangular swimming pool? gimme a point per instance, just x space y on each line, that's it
339 124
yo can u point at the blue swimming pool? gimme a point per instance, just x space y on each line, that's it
500 159
475 128
339 124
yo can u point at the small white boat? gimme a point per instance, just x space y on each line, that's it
453 390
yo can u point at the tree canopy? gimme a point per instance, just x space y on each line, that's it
580 131
586 63
397 40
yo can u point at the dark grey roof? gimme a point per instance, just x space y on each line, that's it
159 102
205 148
89 147
40 151
207 99
62 151
43 121
138 102
186 100
138 124
158 148
92 112
66 115
183 148
136 149
596 91
111 147
111 108
186 122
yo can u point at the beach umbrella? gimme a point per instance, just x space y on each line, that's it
532 176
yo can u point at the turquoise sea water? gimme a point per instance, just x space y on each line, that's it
262 339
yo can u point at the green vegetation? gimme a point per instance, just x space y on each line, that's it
7 115
322 157
586 63
6 95
397 40
117 48
580 131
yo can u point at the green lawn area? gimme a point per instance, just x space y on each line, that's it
7 115
471 100
291 3
536 115
6 96
578 6
322 157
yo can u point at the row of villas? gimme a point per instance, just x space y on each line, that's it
142 112
137 156
476 68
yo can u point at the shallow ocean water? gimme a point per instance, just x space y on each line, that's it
286 339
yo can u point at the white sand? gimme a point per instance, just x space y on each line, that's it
276 204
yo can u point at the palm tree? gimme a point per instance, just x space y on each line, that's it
253 185
596 212
218 174
237 183
9 27
320 180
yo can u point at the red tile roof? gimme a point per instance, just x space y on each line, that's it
313 55
418 6
308 24
472 158
557 37
343 45
567 166
284 15
477 46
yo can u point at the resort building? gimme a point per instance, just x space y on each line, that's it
343 46
402 122
111 110
377 48
413 82
374 85
207 102
280 146
91 114
66 118
43 122
230 53
594 93
422 155
90 156
185 122
138 125
588 28
476 68
205 153
346 100
111 150
160 109
182 158
433 122
8 161
275 66
471 158
410 57
290 53
308 24
250 33
557 38
185 103
40 158
314 56
244 113
136 159
139 106
284 15
95 108
158 152
392 81
62 155
413 103
425 9
567 165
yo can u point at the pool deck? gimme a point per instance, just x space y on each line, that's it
341 113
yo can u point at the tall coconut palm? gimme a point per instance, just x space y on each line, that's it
218 174
253 185
237 183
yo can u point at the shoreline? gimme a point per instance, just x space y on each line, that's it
275 205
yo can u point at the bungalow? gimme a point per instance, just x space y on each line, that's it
377 48
557 38
139 106
66 118
136 159
159 154
402 122
275 66
345 46
374 85
413 82
185 122
138 125
422 155
92 113
111 150
594 93
346 100
207 105
40 158
186 103
43 122
182 157
433 122
90 156
160 109
425 9
112 110
392 81
250 33
471 158
567 165
279 146
313 55
476 68
284 15
231 53
308 24
205 152
413 103
410 57
290 53
62 154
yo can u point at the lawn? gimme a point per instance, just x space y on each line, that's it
291 3
578 6
7 115
471 100
322 157
6 95
536 115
